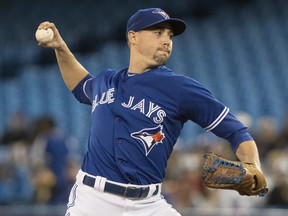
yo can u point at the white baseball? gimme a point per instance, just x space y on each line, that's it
44 35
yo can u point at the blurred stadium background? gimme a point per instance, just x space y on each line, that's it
237 48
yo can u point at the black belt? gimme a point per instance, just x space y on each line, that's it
128 192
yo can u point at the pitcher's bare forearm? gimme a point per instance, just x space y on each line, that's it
248 152
71 70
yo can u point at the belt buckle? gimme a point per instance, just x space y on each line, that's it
126 190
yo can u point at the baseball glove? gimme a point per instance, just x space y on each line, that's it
245 178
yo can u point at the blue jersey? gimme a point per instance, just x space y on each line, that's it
137 118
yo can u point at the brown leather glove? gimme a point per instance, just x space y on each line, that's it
245 178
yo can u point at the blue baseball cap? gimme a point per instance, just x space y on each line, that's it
145 18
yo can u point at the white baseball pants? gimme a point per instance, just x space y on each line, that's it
88 201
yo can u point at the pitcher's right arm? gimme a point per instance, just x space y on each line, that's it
71 70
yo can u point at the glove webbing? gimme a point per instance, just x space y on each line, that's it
226 179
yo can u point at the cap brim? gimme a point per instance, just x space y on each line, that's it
178 25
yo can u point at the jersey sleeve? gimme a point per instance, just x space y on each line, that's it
200 106
83 91
234 131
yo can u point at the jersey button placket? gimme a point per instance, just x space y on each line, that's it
119 140
123 82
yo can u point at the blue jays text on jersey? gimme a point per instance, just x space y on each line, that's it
137 118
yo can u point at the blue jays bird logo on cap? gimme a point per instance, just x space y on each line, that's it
149 137
162 13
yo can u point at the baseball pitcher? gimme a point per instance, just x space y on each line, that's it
137 114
